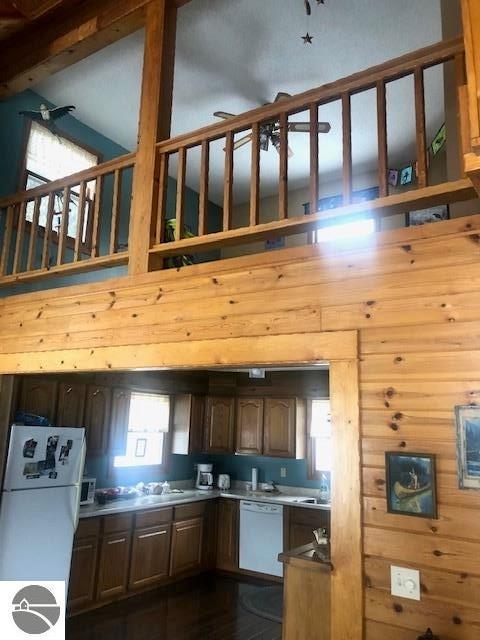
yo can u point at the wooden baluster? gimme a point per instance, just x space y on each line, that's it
48 231
17 258
7 239
463 123
228 183
80 222
382 139
313 158
422 172
283 177
203 196
162 199
33 234
180 208
97 207
63 233
255 176
116 205
347 148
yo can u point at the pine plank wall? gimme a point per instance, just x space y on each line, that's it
414 297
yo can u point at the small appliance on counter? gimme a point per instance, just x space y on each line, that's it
204 477
223 481
87 490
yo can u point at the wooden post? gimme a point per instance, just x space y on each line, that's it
154 125
471 29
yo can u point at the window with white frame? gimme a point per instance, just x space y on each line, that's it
49 157
148 424
320 433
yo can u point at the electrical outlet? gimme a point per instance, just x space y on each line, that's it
405 583
283 472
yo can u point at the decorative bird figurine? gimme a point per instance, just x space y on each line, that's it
48 116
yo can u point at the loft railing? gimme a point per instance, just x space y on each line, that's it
377 78
68 225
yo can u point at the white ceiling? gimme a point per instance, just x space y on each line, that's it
237 54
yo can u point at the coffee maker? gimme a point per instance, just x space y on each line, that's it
204 477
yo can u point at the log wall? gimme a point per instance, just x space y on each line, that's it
414 297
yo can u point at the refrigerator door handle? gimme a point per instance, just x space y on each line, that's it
79 484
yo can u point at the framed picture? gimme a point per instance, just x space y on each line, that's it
425 216
439 140
406 175
393 177
411 488
468 446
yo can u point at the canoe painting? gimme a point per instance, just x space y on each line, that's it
411 484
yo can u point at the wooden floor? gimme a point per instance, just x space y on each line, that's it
206 608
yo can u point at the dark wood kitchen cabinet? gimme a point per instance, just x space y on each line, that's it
249 426
117 441
228 535
299 524
97 418
114 556
71 404
39 396
150 556
186 553
279 427
209 544
81 587
187 431
219 424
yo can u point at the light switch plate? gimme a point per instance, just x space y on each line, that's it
405 583
283 472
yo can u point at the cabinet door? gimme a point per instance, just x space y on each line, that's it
279 427
227 541
71 404
249 426
81 587
150 556
210 520
97 418
113 567
119 421
186 554
301 523
187 432
219 425
39 396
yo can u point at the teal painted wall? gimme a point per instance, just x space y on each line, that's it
11 145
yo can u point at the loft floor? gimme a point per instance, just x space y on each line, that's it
206 607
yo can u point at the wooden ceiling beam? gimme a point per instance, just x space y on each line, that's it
33 9
63 37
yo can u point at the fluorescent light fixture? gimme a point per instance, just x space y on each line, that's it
355 229
256 373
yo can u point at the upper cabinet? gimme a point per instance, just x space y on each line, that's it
279 425
71 403
117 442
39 396
187 432
97 418
219 424
249 426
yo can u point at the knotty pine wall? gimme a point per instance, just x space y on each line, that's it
414 296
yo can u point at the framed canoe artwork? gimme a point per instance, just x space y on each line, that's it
411 488
468 446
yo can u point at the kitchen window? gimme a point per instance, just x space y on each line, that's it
320 437
147 433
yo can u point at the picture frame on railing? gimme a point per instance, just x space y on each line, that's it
334 202
427 216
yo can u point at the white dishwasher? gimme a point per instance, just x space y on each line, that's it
261 537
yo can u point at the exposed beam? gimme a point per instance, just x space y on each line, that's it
33 9
63 37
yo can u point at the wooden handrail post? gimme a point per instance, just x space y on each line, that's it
154 126
471 29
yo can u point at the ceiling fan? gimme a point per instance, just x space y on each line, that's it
270 131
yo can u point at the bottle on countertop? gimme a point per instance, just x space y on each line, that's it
254 479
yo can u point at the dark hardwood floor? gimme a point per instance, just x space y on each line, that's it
206 608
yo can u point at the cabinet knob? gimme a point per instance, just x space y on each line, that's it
96 392
69 390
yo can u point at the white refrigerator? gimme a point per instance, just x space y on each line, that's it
40 502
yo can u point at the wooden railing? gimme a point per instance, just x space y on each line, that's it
377 78
68 225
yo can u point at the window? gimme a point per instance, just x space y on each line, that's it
320 437
47 158
352 229
148 424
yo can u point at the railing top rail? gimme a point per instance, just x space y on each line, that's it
361 81
121 162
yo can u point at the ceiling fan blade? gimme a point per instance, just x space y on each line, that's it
304 127
224 114
242 141
290 152
282 95
276 143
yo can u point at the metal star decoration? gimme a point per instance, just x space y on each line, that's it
307 39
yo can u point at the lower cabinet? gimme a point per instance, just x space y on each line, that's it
299 524
227 536
186 554
114 563
81 593
150 556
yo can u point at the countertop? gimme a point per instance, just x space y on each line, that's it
194 495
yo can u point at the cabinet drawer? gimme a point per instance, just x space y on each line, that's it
186 511
153 517
87 528
120 522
